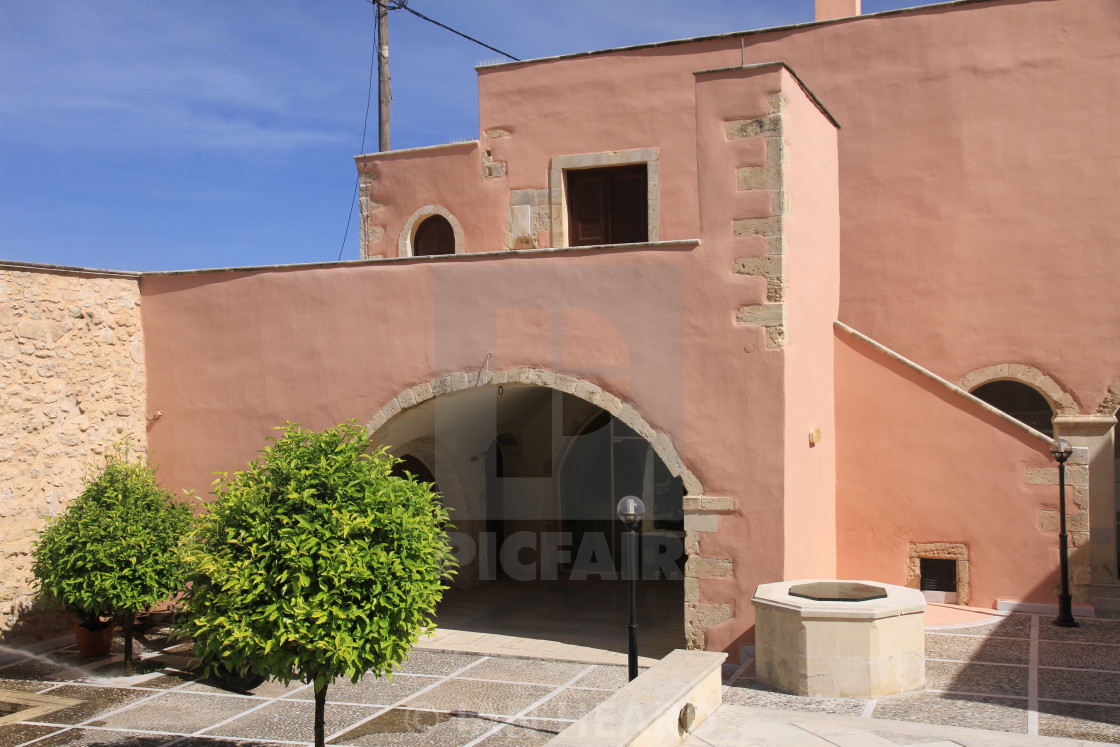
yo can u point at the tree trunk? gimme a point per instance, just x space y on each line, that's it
126 624
320 715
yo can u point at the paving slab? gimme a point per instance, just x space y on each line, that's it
407 728
570 704
177 712
1079 721
291 721
980 672
95 702
97 737
371 690
497 698
15 734
744 726
525 733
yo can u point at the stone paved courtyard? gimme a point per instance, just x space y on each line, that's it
437 698
1019 675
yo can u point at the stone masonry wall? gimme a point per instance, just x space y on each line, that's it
72 379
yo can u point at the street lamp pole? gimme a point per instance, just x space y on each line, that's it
1061 450
630 511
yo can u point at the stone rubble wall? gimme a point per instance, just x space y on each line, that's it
72 379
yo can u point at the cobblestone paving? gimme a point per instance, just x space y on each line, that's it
1021 675
436 699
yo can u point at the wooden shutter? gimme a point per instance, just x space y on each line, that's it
434 236
587 206
608 206
629 206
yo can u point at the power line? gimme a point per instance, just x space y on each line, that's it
395 5
365 125
403 5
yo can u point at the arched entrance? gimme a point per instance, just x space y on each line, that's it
531 475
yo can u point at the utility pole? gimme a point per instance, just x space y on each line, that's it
383 94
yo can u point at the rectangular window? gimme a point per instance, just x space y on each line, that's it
608 206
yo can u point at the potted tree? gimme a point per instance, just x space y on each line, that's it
114 551
315 563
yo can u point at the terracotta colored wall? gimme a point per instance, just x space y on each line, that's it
976 162
912 454
643 100
812 278
232 355
747 370
450 177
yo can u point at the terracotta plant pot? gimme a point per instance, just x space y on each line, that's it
93 643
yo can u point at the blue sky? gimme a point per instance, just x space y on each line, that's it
158 135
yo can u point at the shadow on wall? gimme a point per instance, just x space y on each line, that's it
31 623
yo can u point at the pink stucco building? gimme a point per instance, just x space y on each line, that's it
753 278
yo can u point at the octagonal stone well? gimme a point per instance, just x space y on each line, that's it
846 639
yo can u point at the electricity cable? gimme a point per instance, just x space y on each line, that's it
403 5
365 126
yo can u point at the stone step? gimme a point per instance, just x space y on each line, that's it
667 700
1105 591
1107 609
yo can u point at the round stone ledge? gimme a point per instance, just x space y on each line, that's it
899 600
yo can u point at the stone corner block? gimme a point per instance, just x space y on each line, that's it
717 503
763 315
698 567
701 522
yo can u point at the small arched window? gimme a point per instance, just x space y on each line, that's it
434 236
1020 401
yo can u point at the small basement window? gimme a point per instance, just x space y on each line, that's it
608 205
939 579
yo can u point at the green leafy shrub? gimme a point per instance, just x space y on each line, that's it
315 563
115 549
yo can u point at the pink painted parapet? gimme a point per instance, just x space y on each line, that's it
920 464
397 184
976 162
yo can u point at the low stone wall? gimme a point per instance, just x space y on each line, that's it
72 380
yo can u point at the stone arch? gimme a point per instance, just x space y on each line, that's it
1110 405
1061 402
586 390
408 233
700 509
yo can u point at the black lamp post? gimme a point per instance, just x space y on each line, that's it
1061 450
630 511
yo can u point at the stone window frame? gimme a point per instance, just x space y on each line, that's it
408 232
1061 402
558 187
957 551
